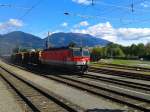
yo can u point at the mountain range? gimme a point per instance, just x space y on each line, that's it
25 40
63 39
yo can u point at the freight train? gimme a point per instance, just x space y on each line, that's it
74 58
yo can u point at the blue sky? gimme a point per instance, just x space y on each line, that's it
114 20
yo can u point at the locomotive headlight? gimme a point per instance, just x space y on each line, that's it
83 61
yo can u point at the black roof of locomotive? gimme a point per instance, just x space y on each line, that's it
59 48
62 48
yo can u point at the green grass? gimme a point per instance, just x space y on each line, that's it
135 63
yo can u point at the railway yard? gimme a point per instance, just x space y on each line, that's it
102 89
75 56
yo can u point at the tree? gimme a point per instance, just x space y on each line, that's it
134 50
126 50
118 52
72 44
16 50
114 50
147 50
96 53
23 50
140 49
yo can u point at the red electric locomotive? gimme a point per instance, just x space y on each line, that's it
74 58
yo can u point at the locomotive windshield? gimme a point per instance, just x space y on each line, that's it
79 52
86 53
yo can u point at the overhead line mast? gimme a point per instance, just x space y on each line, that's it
132 6
92 2
48 40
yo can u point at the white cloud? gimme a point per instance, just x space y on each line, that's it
81 24
44 33
10 25
84 23
102 30
133 33
15 22
84 2
145 4
119 35
64 24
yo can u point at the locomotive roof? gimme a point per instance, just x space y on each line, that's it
63 48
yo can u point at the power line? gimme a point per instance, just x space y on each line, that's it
136 21
139 2
88 16
133 3
14 6
21 7
30 9
119 6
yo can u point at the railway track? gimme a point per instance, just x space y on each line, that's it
125 67
121 73
36 98
129 99
131 84
136 101
120 82
114 72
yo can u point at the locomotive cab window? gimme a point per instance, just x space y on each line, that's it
86 53
77 53
81 52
